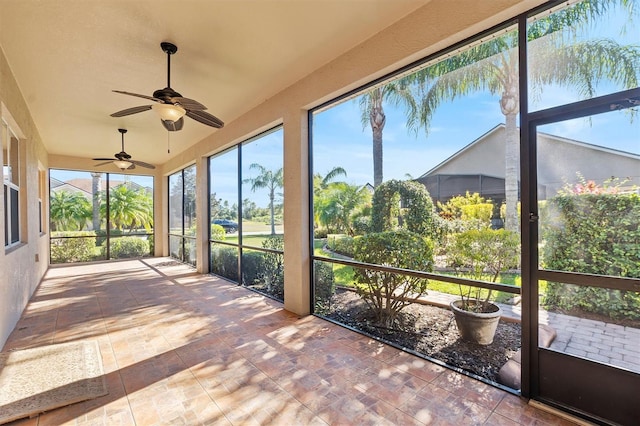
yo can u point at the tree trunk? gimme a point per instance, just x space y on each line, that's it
273 225
377 119
377 157
95 189
512 162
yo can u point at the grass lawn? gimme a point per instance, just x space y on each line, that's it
248 240
498 296
343 275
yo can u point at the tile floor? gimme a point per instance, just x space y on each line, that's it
186 349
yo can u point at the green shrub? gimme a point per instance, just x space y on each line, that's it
224 262
324 286
252 267
361 225
127 247
342 245
273 273
385 292
217 232
594 233
319 233
65 250
416 216
484 251
152 243
481 252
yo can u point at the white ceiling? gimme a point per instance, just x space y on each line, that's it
68 55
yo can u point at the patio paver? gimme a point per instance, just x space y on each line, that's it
184 348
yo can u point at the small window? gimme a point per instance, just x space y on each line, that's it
11 183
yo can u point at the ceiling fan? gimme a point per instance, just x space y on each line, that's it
123 160
170 105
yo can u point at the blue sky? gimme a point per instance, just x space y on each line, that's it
341 140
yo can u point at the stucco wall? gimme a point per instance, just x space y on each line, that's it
21 266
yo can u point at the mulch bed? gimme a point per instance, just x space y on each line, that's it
431 331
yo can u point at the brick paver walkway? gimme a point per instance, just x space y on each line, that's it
595 340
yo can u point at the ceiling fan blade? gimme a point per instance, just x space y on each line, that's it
104 159
137 95
130 111
142 164
188 104
102 164
206 118
173 126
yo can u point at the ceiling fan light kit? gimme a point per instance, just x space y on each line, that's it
123 160
169 112
122 164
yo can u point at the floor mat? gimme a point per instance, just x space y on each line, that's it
36 380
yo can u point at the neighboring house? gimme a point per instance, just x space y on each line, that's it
84 186
480 167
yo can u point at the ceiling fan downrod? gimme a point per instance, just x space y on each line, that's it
169 49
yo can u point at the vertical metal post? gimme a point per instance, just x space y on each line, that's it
239 214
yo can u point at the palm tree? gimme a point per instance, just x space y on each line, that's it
337 205
321 185
322 182
396 92
69 211
493 66
129 208
270 180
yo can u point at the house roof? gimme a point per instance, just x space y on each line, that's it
501 127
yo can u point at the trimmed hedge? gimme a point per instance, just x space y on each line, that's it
64 250
127 247
342 245
594 233
324 286
417 216
225 262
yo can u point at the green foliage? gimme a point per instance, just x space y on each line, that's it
479 252
225 262
482 251
467 207
217 232
386 293
127 247
320 233
387 214
338 204
270 180
253 264
273 272
129 208
361 225
69 211
342 245
324 286
64 250
594 231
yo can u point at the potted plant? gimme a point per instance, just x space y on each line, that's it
481 252
477 319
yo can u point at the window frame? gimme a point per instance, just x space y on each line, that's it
11 185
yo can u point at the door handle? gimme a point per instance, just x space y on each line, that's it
533 217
